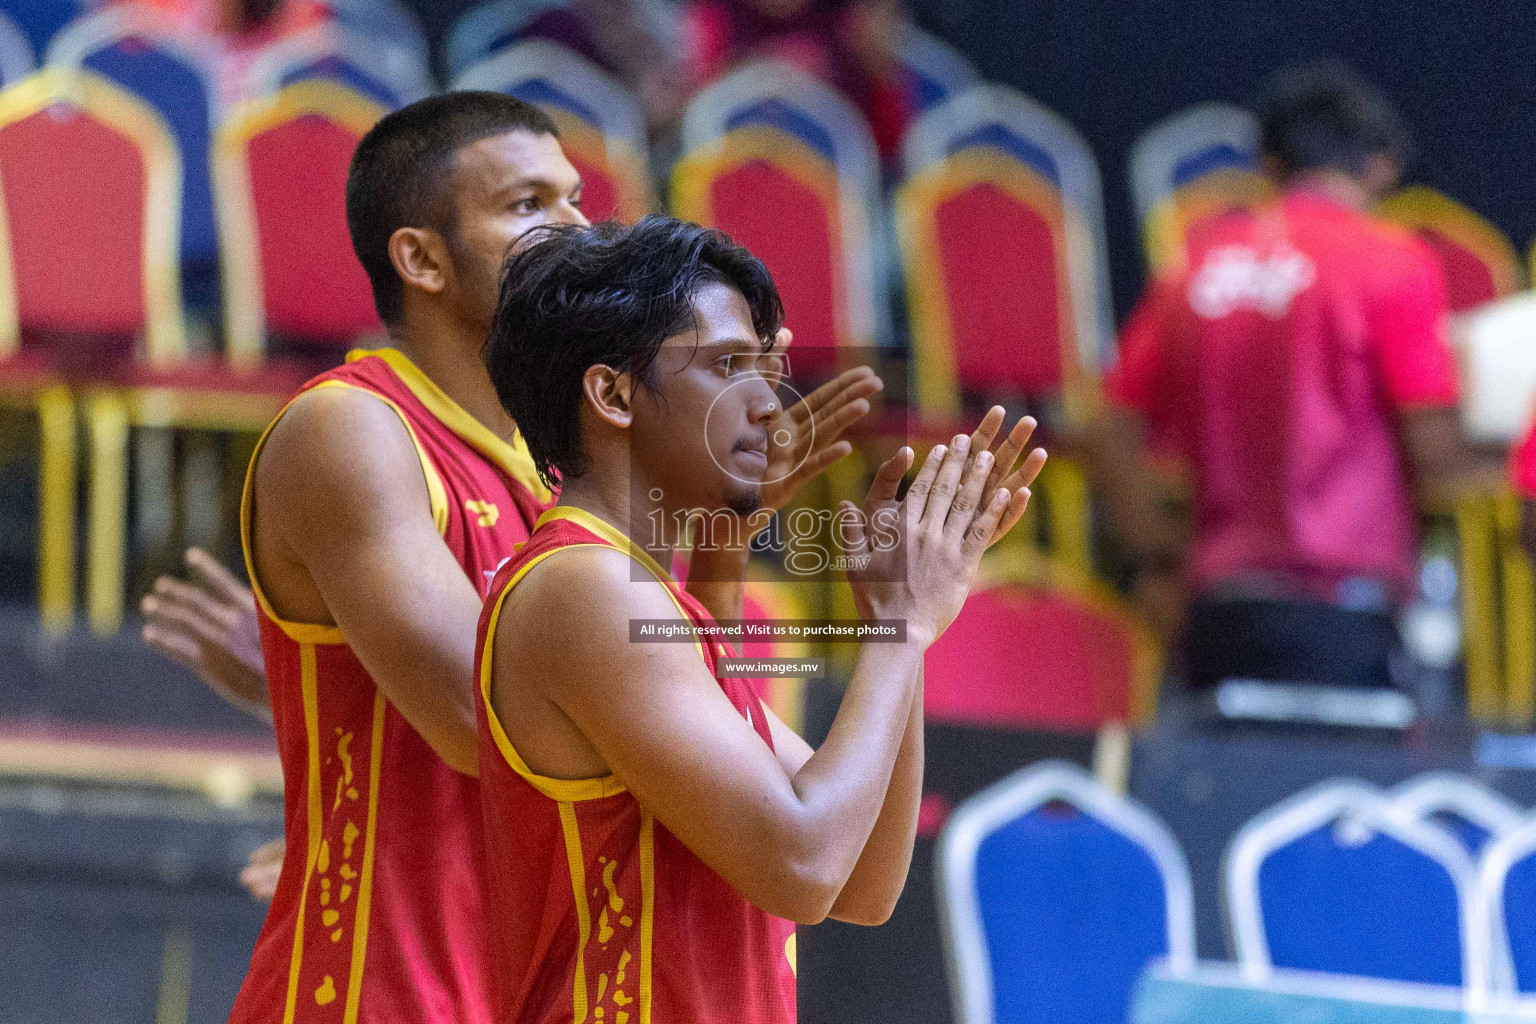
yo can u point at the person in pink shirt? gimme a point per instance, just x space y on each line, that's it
1298 363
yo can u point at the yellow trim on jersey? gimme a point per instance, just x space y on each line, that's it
564 790
319 632
365 881
513 458
578 868
309 684
647 908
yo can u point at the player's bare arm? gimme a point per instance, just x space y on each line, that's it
343 535
653 716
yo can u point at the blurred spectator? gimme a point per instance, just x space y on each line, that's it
1299 364
849 44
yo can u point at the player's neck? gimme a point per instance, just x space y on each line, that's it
611 501
451 359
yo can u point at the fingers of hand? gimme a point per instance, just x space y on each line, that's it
1027 473
888 478
917 495
1012 447
970 497
212 576
1015 511
986 430
849 528
946 485
174 645
170 592
978 534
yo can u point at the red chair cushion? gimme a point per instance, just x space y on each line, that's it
1002 283
312 284
1029 658
599 190
74 199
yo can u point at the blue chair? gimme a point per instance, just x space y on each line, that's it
545 73
1506 909
481 31
17 60
388 73
938 70
1330 880
389 20
1189 167
1054 895
1001 118
1471 812
142 52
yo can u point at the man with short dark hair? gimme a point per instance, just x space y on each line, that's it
1299 364
653 831
378 505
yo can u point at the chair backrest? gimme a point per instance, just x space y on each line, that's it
999 118
786 203
601 127
1480 263
1471 812
1001 318
989 670
16 57
385 19
1054 894
1330 880
279 176
145 53
938 70
481 31
1189 167
385 72
91 184
1506 904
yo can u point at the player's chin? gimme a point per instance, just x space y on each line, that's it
744 499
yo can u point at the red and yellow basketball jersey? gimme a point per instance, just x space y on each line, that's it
379 911
597 913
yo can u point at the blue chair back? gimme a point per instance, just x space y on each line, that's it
938 71
17 60
1506 909
387 73
1472 813
1332 881
1055 895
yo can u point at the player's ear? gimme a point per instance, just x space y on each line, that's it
610 393
421 258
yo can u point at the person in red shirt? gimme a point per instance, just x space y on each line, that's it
1298 363
652 829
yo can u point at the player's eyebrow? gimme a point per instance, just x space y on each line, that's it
731 345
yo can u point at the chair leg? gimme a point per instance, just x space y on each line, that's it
1519 605
56 510
107 419
1479 604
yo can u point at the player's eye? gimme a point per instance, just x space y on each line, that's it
731 365
528 205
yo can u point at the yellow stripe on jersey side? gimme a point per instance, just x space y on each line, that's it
319 632
647 908
310 686
365 881
578 867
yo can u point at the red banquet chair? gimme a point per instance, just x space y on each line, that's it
279 178
88 271
782 200
1480 263
1038 646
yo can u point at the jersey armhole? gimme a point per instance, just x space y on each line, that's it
316 632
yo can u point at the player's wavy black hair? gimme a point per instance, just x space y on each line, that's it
1325 116
604 295
402 175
